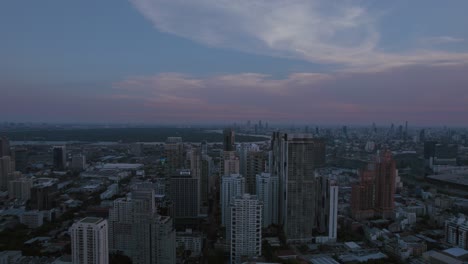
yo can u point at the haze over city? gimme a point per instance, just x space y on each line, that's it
156 61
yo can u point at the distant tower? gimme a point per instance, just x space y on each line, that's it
59 157
246 228
229 140
174 153
5 172
385 185
4 146
90 241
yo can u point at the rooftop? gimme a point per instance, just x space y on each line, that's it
91 220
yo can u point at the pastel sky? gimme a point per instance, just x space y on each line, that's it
188 61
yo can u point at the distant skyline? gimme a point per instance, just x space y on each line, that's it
220 61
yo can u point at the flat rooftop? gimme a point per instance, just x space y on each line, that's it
91 220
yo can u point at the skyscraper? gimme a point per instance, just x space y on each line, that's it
231 186
246 228
5 172
230 163
363 194
255 164
229 140
174 153
267 193
295 158
90 241
184 192
4 146
326 215
136 230
375 194
59 157
385 184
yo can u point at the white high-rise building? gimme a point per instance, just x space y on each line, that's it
231 186
89 241
246 228
136 230
267 193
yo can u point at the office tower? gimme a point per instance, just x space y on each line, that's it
195 157
21 159
204 148
363 194
295 158
256 164
385 185
267 193
206 171
184 192
422 135
326 209
20 189
5 172
136 230
231 186
43 197
89 241
59 157
4 146
78 163
229 140
246 228
230 163
174 153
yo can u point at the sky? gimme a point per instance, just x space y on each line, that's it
285 61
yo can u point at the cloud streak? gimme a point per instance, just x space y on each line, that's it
418 94
319 31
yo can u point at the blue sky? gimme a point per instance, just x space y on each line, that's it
181 61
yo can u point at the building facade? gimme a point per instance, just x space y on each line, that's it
90 241
246 228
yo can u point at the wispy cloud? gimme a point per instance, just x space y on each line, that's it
413 93
320 31
442 40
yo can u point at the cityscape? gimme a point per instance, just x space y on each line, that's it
233 132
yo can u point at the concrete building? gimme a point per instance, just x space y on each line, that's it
326 210
90 241
59 155
4 147
295 158
20 188
255 164
184 192
246 228
190 240
78 163
267 193
43 196
174 153
231 186
230 163
136 230
5 172
456 231
33 219
375 194
229 140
